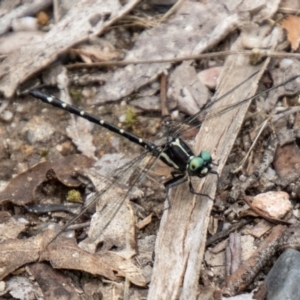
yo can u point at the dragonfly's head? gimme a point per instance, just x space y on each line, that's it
200 165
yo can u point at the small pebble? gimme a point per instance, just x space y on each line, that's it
7 116
24 24
2 286
209 77
42 18
275 204
37 130
284 277
285 63
296 213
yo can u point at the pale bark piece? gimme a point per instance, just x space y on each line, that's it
187 89
209 77
84 19
182 235
79 131
195 28
112 224
259 229
15 40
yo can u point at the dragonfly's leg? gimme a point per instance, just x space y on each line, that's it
177 179
215 173
200 194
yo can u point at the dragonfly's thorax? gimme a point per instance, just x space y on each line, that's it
177 154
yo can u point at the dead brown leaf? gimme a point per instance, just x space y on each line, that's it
292 25
21 189
287 160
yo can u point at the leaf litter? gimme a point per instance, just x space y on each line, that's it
114 252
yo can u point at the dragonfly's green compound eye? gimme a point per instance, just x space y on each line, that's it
205 156
200 165
196 163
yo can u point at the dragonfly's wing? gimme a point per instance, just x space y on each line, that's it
118 177
196 120
113 222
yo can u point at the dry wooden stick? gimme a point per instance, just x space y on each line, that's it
182 236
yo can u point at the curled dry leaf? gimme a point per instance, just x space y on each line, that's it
98 50
65 254
142 224
15 253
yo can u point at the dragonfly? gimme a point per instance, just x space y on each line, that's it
173 152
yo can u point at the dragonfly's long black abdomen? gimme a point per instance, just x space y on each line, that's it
72 109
